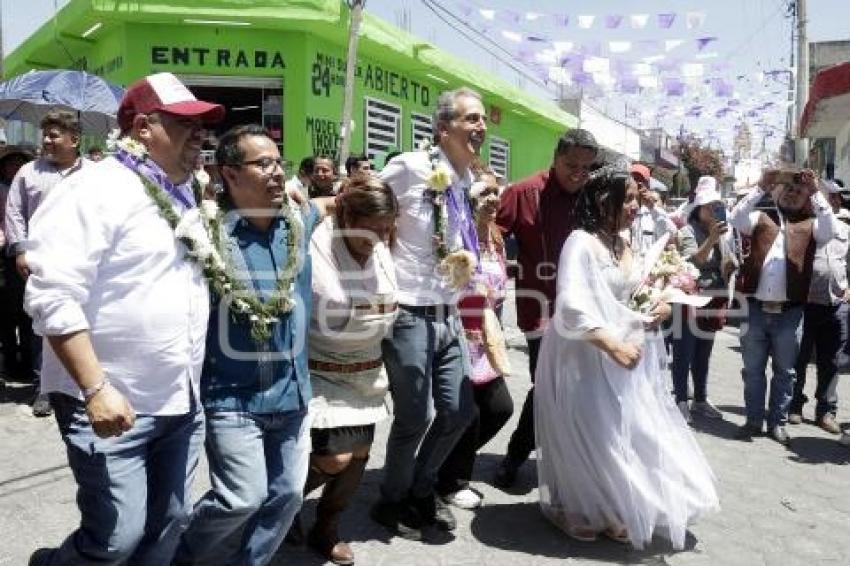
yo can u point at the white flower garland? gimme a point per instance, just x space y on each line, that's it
456 266
199 229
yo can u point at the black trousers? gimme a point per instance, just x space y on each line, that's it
825 331
495 408
521 444
21 347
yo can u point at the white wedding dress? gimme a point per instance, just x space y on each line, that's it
613 450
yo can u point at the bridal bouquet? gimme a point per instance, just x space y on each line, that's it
671 279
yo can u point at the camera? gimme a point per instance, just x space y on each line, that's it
719 212
786 177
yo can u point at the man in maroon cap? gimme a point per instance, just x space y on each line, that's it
124 309
652 222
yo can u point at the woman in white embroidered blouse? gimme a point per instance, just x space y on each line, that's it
353 308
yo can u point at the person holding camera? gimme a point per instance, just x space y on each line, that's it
775 276
825 323
700 242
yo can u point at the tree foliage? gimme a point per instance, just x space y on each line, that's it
700 160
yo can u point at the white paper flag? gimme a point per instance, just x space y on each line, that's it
586 22
672 44
512 36
638 21
619 46
694 19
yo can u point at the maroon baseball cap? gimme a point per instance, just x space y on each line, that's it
164 92
641 171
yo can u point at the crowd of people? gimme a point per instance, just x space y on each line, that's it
268 320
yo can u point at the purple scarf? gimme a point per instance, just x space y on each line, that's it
468 234
148 169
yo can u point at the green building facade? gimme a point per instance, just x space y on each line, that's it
282 63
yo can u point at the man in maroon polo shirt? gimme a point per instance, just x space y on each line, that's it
538 211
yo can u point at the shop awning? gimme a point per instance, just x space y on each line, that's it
828 108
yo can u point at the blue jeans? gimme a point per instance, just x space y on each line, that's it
824 332
691 354
428 371
778 336
133 491
258 466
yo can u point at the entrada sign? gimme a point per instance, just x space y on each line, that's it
204 56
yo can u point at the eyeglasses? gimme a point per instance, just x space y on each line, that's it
474 118
266 164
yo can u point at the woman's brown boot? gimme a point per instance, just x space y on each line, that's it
324 536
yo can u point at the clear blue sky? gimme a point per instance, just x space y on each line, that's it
753 35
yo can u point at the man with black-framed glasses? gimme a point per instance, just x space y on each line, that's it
255 386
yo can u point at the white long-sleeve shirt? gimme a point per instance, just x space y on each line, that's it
31 185
649 226
772 285
104 260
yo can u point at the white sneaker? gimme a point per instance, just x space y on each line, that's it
845 439
465 499
686 412
706 409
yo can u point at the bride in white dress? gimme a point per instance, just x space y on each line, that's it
615 456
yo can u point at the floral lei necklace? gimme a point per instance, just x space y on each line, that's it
200 228
457 266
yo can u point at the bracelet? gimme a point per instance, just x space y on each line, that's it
90 392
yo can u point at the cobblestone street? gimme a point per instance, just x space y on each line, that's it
779 506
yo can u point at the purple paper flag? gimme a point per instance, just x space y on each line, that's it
509 16
703 41
628 85
665 21
613 21
674 87
583 78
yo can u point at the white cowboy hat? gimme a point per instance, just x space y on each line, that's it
706 183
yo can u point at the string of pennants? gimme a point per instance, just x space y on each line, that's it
664 20
671 61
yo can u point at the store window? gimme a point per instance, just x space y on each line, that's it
383 127
248 100
420 127
500 156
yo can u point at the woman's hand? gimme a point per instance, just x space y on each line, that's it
717 230
625 355
660 313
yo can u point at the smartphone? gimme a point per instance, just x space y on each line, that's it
719 212
786 177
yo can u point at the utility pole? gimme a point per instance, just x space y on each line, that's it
801 153
355 19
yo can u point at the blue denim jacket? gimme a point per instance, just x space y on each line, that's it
239 374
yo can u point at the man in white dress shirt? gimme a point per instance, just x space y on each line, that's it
425 355
125 313
776 276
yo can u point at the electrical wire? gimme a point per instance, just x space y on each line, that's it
443 13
